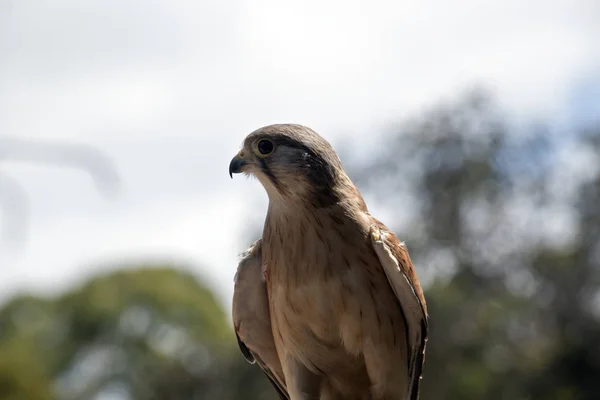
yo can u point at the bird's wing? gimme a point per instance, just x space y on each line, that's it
252 319
403 279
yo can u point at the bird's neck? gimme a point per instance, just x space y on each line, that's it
293 240
300 238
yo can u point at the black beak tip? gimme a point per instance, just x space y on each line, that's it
235 166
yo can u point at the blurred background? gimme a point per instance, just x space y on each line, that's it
472 129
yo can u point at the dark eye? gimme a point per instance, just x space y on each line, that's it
265 146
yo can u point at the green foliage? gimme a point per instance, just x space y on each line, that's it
150 333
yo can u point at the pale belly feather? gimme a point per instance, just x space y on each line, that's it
334 312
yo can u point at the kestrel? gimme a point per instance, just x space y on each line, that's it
327 302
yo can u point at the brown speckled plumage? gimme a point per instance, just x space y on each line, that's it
347 315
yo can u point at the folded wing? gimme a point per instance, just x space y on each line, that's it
252 320
402 277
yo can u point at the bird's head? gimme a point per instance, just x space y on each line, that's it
293 163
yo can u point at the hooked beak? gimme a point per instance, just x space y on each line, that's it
237 164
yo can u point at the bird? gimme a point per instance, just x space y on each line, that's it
327 301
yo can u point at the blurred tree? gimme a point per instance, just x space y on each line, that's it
503 224
149 333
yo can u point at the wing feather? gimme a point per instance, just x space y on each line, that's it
252 319
403 279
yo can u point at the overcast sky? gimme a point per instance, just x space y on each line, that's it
170 88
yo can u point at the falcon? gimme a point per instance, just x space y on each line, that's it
327 302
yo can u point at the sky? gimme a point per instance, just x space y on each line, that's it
168 89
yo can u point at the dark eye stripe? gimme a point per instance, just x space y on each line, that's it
264 166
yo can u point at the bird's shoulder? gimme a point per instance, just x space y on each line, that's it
399 251
400 271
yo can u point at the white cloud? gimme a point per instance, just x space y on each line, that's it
348 62
170 88
62 253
